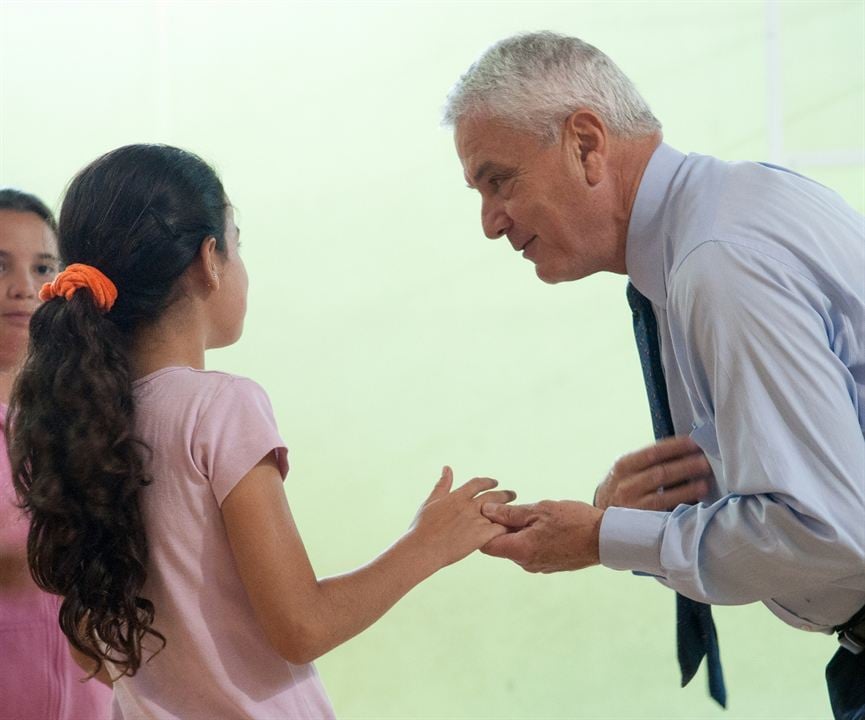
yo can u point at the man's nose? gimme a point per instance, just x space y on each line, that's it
494 219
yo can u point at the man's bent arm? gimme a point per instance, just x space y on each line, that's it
788 438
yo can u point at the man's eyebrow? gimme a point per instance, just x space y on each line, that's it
492 166
483 170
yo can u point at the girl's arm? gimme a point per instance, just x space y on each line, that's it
304 617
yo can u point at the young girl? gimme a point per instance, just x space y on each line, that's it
155 486
38 678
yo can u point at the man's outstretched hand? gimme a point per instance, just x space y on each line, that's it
548 536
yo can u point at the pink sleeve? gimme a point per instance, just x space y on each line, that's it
235 432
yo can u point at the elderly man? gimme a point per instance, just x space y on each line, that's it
747 284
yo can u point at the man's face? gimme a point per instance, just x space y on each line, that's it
535 194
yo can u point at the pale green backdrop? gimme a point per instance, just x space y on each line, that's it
394 338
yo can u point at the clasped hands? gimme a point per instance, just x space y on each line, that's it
551 536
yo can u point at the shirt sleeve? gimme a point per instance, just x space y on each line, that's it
757 339
236 430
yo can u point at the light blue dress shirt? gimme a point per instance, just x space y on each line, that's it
757 279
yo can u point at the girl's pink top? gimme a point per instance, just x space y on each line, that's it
39 680
206 430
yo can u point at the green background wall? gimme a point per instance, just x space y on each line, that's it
394 338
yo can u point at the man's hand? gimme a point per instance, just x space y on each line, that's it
659 477
548 536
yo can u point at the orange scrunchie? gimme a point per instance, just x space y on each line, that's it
77 276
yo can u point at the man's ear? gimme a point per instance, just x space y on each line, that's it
207 263
586 137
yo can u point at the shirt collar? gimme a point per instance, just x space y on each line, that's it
644 248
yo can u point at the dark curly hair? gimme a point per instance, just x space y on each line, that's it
20 201
139 214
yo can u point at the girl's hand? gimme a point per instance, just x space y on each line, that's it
449 525
671 472
303 616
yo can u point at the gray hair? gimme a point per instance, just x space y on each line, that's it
534 81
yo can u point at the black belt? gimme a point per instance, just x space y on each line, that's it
851 634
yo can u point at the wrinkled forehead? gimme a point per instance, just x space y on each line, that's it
487 145
475 142
468 133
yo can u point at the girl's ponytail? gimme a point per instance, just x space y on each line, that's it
139 216
79 470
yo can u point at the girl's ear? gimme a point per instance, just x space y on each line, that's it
207 263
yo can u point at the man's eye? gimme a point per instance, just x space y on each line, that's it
501 183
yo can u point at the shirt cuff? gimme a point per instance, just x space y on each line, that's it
631 540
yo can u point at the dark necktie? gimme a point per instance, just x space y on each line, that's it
695 630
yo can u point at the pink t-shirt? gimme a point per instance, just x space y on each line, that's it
206 431
39 680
